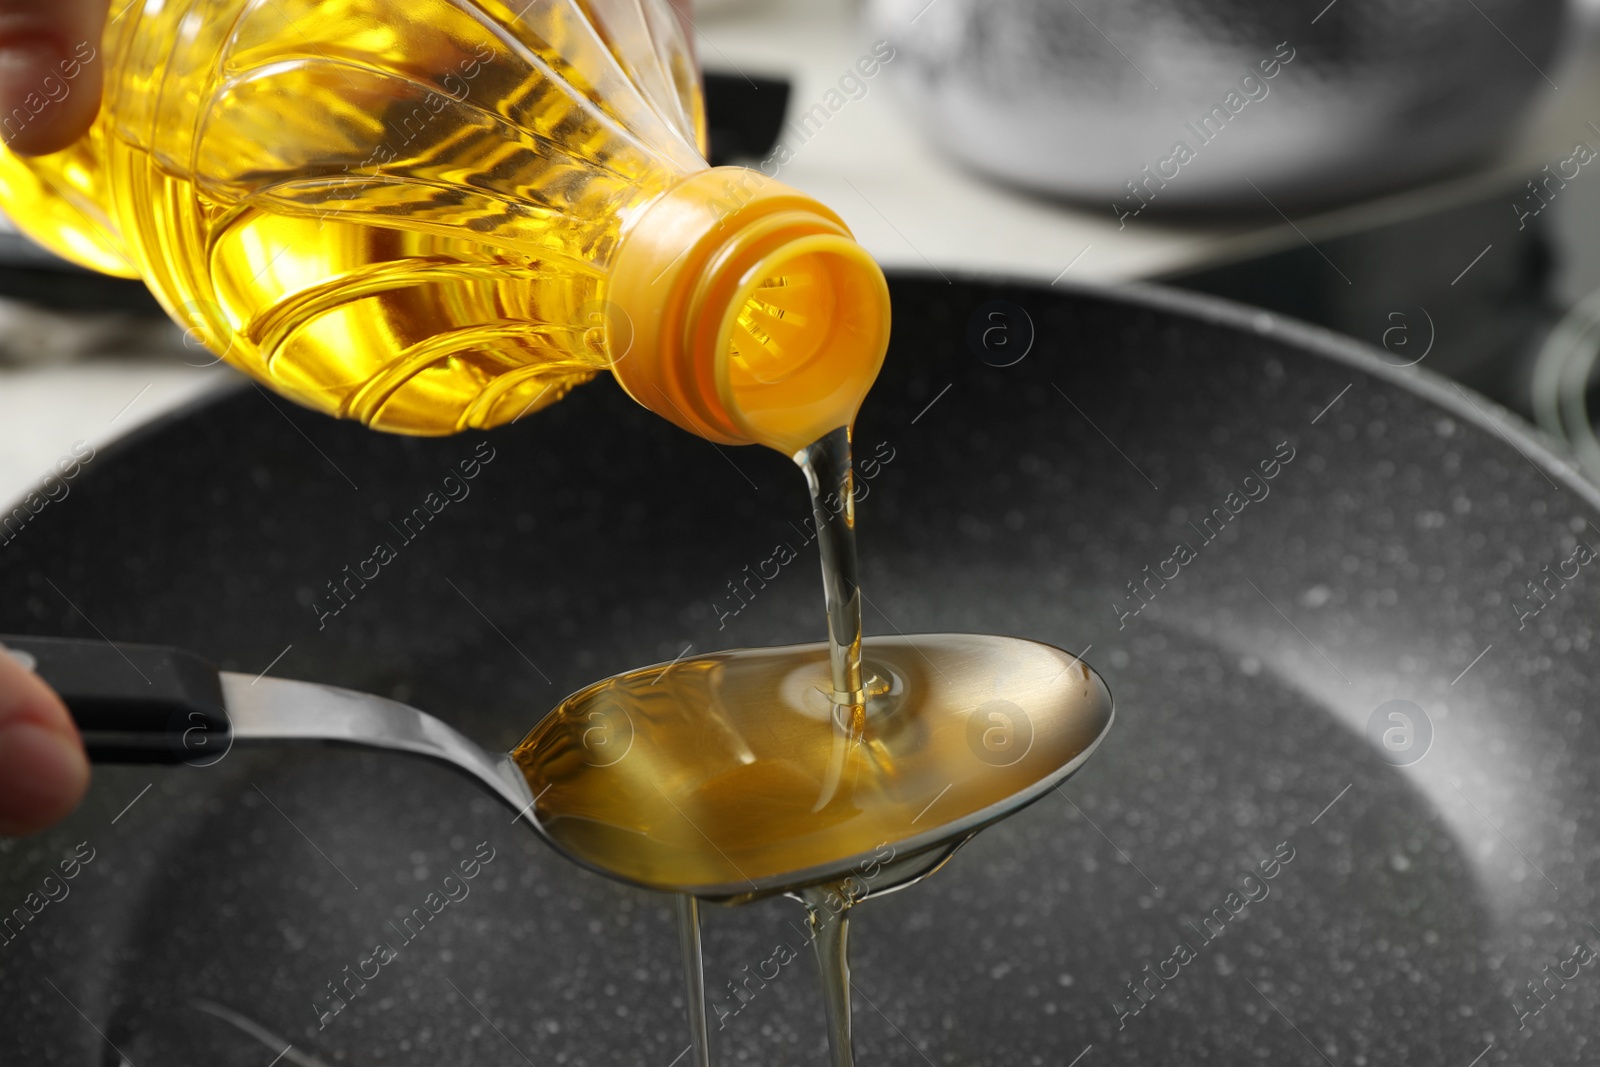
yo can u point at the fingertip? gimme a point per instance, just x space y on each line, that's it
48 99
44 771
43 776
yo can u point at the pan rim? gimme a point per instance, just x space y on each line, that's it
1544 452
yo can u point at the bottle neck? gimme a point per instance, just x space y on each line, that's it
745 312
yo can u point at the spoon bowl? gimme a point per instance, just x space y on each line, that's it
727 777
734 776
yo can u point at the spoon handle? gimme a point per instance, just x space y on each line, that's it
132 703
152 704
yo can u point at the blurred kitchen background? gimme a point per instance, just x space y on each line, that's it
1423 175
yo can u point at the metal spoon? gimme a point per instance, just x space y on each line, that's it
996 721
150 704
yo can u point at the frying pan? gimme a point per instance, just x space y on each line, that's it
1351 773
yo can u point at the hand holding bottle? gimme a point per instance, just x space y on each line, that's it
43 107
50 87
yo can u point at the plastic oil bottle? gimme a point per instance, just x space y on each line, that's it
434 215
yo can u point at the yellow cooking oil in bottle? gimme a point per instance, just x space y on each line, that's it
435 215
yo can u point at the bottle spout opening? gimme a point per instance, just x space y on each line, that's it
755 316
802 341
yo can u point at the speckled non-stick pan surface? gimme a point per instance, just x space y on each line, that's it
1346 814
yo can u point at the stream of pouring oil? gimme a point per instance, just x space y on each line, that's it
728 776
740 805
830 476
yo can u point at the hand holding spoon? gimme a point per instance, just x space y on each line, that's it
728 777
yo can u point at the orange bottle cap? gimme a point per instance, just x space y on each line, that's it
752 313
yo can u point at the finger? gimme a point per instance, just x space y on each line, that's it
50 72
43 770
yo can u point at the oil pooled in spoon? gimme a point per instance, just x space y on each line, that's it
734 776
848 768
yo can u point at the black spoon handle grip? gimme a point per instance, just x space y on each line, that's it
133 703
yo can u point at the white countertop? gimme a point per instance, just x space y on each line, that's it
907 204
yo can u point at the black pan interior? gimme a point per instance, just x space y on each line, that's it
1414 890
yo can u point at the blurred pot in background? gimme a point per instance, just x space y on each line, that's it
1177 104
